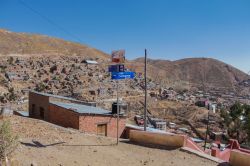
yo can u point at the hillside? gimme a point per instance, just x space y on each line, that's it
24 43
193 72
42 63
186 73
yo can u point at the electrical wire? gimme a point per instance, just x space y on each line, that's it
49 21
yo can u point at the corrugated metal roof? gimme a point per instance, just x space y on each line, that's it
23 113
82 109
64 98
91 62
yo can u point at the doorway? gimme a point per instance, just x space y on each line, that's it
102 129
41 112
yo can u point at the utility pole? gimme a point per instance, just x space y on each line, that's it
207 130
145 102
117 107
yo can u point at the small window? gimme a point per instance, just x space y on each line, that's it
42 112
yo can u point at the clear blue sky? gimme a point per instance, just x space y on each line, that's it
169 29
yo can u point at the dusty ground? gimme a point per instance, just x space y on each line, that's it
42 143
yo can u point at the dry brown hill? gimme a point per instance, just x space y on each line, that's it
192 72
25 43
196 72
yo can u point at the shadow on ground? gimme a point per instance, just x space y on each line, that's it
224 164
38 144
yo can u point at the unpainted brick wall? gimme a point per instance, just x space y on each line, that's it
63 117
39 101
88 124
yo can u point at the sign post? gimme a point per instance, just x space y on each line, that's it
118 73
117 111
145 102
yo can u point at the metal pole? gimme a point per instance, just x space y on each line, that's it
207 130
117 107
145 102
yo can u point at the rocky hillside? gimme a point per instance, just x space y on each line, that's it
27 50
24 43
193 72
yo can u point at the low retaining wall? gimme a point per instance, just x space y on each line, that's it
238 158
223 155
161 139
191 144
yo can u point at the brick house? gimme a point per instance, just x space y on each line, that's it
75 114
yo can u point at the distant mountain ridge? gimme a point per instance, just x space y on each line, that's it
197 72
25 43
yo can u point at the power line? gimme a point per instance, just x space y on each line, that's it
49 21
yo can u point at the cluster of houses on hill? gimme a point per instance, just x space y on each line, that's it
213 99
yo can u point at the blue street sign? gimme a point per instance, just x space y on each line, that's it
122 75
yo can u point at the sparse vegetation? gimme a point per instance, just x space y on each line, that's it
8 141
12 96
40 87
11 60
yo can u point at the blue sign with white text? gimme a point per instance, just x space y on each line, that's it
122 75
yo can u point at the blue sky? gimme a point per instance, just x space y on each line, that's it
169 29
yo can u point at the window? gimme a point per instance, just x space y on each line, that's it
42 112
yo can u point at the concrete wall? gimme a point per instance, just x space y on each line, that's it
88 124
191 144
223 155
238 158
156 138
38 101
126 133
63 117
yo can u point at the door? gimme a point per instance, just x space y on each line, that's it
41 112
102 129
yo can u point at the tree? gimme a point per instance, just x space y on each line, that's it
238 121
236 111
247 120
8 141
226 117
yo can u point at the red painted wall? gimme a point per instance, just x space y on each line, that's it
191 144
